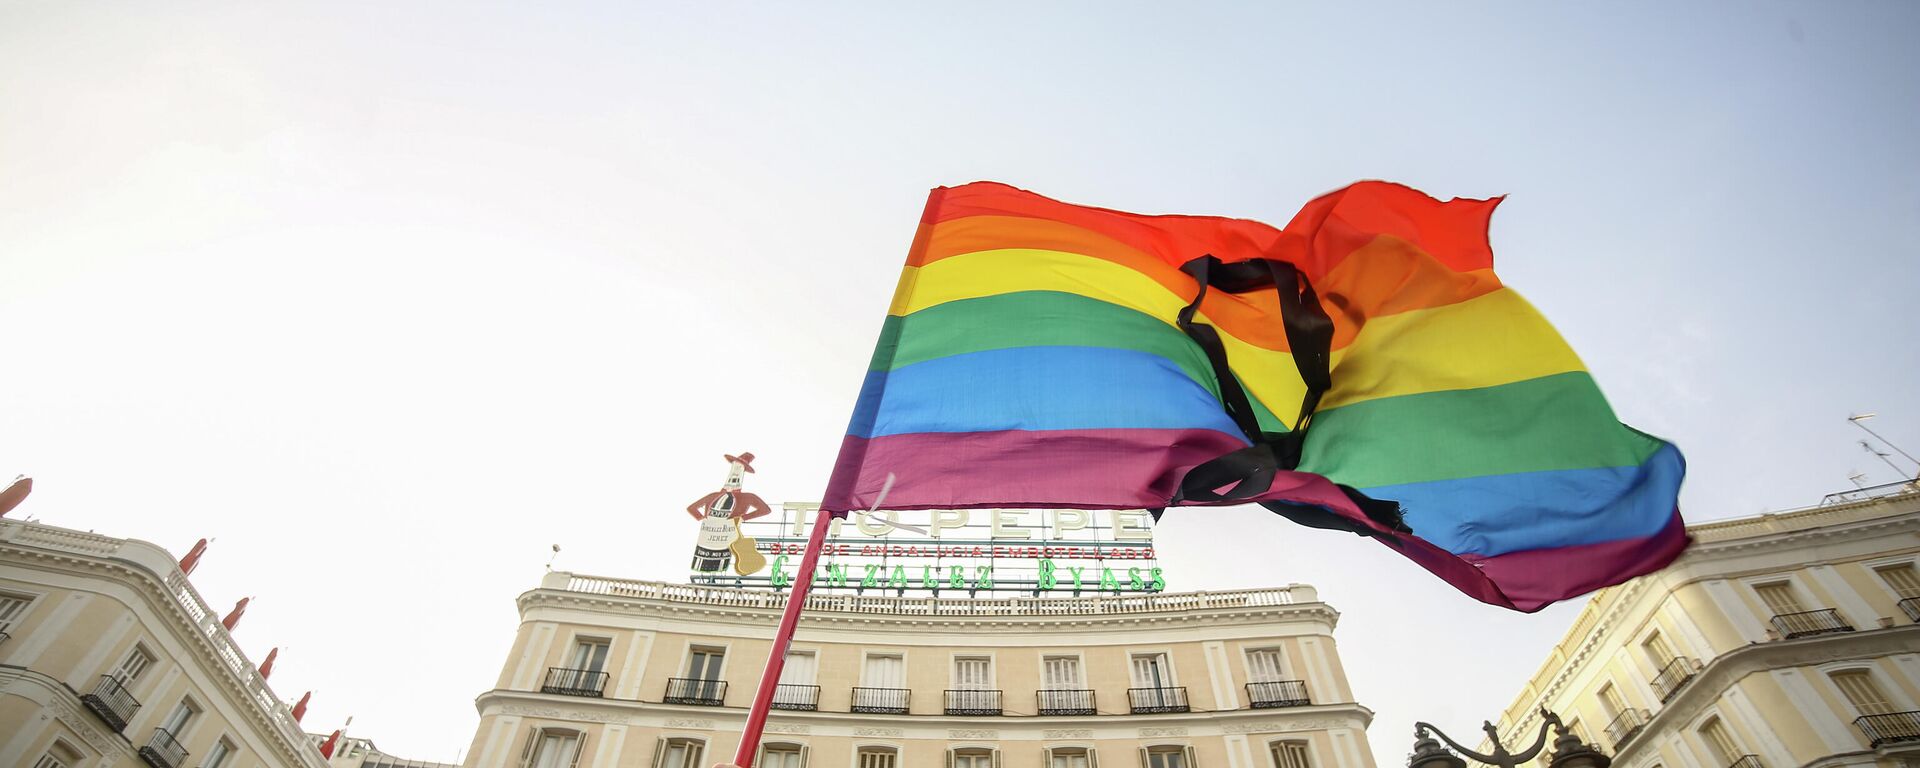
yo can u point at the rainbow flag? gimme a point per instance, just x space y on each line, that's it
1360 369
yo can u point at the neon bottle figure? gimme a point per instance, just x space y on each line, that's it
718 512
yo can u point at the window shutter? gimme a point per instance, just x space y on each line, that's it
1191 761
1145 762
659 753
579 747
533 743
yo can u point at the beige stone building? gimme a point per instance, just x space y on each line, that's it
1778 641
637 674
110 659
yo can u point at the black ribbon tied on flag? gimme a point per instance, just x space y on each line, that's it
1249 472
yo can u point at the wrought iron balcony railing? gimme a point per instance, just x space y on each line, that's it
4 636
575 682
1825 621
1625 725
698 692
1278 693
881 701
1891 728
111 701
972 702
162 750
1911 607
801 698
1065 701
1148 701
1746 761
1673 676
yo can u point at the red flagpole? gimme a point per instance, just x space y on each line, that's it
770 679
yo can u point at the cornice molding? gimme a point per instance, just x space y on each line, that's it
1729 668
153 590
1313 613
682 717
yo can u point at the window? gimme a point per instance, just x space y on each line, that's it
1069 758
1657 650
1151 670
704 663
218 754
62 755
796 689
1290 754
554 748
679 753
1779 597
590 655
12 609
885 672
137 661
875 757
1060 673
973 758
782 756
1862 692
1610 701
1902 578
1264 666
177 720
1714 733
973 673
1166 757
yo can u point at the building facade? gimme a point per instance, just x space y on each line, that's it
637 674
1778 641
110 659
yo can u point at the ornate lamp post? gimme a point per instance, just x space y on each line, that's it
1568 750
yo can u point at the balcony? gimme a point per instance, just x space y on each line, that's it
111 702
1673 676
697 692
1152 701
1825 621
881 701
972 702
1065 702
1910 606
162 750
799 698
1628 723
1746 761
575 682
1891 728
1278 693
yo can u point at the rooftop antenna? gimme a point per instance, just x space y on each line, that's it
1859 420
1883 457
1855 477
556 556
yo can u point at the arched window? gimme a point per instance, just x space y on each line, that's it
679 752
1289 754
553 748
782 755
1167 757
1070 757
1862 691
973 757
877 757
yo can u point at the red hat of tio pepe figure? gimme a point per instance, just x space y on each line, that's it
744 458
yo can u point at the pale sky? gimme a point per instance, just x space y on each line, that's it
391 297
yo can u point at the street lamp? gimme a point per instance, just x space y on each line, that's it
1568 750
